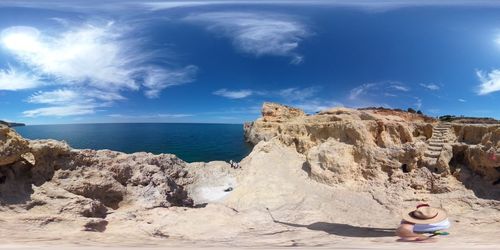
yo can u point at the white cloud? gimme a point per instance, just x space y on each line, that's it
257 33
418 103
400 87
430 86
376 94
11 79
53 97
158 79
67 96
490 82
60 111
68 102
93 56
292 94
386 88
368 5
298 94
355 93
462 100
234 94
316 105
95 63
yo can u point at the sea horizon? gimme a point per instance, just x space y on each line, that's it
89 123
191 142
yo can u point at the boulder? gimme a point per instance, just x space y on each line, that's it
12 146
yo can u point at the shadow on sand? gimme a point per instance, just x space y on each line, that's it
344 229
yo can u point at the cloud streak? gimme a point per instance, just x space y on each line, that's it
430 86
96 62
490 81
12 79
234 94
257 33
378 93
60 111
68 102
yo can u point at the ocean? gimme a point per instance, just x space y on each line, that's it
189 141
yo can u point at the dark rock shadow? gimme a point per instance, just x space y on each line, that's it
344 229
481 188
307 168
15 183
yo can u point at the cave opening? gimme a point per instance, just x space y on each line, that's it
405 168
3 178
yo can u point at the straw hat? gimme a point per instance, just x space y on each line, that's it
424 214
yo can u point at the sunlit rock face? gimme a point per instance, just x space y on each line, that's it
352 147
12 146
49 176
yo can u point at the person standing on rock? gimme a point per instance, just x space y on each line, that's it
423 219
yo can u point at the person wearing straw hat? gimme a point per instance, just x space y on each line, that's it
423 219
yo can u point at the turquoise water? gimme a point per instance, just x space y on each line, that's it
189 141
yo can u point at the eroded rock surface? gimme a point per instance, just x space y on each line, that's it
355 147
80 184
341 176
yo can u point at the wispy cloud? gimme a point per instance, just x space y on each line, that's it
157 79
298 94
94 63
462 100
430 86
257 33
67 102
378 93
316 105
418 103
386 88
234 94
11 79
289 94
98 56
60 111
368 5
490 81
304 98
399 86
363 89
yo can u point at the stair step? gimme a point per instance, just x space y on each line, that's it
437 141
430 161
433 148
436 144
432 154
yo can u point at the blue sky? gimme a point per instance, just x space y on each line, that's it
217 61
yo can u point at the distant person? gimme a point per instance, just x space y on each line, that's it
423 219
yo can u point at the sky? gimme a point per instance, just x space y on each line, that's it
218 61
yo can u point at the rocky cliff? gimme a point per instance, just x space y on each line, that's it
341 176
11 124
49 175
356 147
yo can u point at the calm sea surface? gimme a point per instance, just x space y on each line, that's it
191 142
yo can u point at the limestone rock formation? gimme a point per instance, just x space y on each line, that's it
341 176
352 147
12 146
86 183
